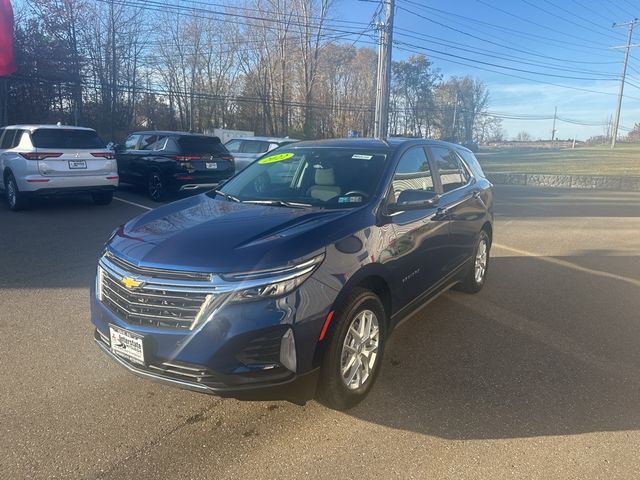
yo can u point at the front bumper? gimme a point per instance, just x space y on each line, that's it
294 388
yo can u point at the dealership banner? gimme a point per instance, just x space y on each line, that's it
7 61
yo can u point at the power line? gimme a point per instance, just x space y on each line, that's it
491 54
511 31
574 14
521 77
462 32
540 25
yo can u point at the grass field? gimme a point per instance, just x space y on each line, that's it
598 160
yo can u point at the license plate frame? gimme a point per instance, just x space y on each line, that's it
77 164
129 346
211 165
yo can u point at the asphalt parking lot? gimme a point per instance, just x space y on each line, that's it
538 376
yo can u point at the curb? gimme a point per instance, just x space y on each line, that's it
595 182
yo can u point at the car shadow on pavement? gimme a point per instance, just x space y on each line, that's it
503 364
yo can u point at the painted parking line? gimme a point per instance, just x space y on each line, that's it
133 203
572 266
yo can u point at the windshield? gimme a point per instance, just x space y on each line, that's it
323 177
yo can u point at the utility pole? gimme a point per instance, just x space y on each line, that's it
455 114
383 87
616 122
553 129
114 66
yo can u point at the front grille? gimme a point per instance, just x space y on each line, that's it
156 272
156 301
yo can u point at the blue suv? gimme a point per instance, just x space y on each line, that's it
286 282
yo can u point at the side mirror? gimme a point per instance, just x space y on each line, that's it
118 147
414 200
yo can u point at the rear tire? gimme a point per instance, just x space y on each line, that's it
476 274
156 190
354 356
16 199
102 198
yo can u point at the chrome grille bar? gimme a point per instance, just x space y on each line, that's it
162 303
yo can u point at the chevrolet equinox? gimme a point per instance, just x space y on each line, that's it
286 281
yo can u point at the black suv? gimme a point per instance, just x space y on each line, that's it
168 162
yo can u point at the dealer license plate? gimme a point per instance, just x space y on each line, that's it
77 164
127 345
212 165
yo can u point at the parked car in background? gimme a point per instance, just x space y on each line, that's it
247 149
168 162
45 160
293 274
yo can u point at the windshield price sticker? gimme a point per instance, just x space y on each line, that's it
359 156
275 158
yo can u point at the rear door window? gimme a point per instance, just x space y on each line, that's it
452 173
254 146
153 142
66 138
197 144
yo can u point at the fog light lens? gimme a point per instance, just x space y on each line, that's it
288 351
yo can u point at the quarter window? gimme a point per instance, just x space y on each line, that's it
413 172
7 139
452 173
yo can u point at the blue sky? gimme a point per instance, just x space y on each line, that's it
554 53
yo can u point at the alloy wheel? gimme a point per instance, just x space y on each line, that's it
481 261
155 186
11 192
360 350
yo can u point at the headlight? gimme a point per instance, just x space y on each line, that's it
272 283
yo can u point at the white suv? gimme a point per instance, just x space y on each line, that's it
246 149
55 160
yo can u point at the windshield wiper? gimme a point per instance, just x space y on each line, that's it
227 196
279 203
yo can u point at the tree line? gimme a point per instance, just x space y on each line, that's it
276 67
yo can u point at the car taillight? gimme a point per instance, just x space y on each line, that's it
40 155
229 158
105 155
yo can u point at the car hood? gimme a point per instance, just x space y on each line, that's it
208 234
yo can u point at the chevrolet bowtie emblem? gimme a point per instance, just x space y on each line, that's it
130 282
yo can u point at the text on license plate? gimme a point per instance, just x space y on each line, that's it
77 164
127 344
211 165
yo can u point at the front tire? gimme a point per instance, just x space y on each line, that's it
354 356
102 198
16 199
476 275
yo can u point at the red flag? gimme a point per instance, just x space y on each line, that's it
7 62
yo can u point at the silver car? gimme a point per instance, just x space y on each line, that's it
43 160
246 149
